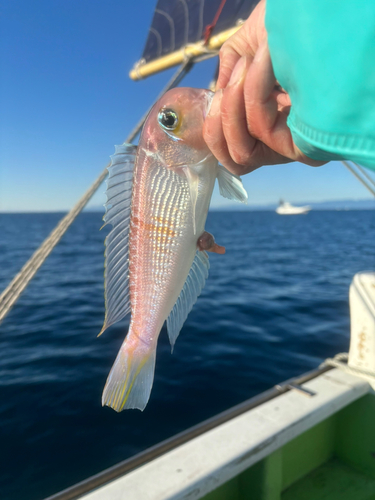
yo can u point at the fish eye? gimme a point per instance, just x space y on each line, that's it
168 119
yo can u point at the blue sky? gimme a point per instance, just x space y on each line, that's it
66 99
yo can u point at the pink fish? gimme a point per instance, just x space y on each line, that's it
158 196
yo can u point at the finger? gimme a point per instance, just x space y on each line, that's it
244 149
259 85
228 59
263 119
266 119
244 42
239 142
283 99
214 136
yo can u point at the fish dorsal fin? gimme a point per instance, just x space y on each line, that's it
230 186
190 292
193 180
118 206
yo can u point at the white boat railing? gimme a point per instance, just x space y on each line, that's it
122 468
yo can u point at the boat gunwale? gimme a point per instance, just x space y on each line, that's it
106 476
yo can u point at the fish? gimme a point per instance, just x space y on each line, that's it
156 264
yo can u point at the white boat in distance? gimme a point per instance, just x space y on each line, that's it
286 208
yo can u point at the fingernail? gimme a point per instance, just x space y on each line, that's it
261 51
238 71
216 103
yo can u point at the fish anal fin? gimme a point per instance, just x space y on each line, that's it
231 186
190 292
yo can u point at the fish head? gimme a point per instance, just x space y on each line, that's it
174 127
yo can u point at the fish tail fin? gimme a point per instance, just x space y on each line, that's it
130 380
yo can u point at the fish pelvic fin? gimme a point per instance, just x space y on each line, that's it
193 181
131 377
230 186
192 288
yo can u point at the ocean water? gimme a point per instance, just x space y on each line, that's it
273 307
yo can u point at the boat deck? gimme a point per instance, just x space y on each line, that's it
312 445
335 459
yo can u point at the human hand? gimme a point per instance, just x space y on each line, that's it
246 126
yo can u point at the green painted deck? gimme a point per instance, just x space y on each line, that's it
335 460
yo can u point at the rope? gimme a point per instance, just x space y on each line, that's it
356 174
364 173
340 361
18 284
210 27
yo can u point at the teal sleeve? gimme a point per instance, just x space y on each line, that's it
323 55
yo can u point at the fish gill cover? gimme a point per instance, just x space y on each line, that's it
177 23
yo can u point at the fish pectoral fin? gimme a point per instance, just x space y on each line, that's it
118 207
131 377
193 181
190 292
231 186
207 243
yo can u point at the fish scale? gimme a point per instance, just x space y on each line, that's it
156 255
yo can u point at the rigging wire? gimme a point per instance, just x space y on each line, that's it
364 173
18 284
361 179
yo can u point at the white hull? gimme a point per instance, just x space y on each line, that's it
290 210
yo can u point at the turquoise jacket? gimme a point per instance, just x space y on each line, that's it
323 54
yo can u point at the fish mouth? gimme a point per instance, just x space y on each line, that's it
208 96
